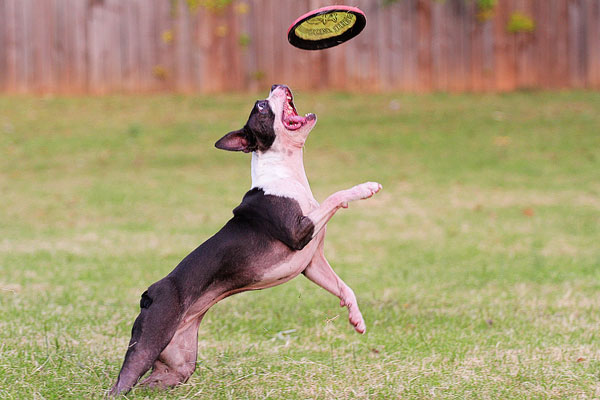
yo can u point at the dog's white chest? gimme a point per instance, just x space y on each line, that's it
279 174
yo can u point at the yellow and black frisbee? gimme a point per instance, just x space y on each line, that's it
326 27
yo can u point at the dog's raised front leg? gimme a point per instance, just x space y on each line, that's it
320 272
303 229
321 215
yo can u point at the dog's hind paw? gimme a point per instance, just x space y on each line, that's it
357 322
355 317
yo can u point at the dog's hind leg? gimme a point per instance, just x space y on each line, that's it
177 361
320 272
161 311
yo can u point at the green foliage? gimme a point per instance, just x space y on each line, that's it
160 72
258 75
211 5
194 5
486 4
244 40
485 9
476 268
520 23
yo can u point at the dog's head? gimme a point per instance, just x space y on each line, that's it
274 124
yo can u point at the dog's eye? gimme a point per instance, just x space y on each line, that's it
261 106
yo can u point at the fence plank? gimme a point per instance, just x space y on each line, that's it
9 43
23 43
424 44
398 30
58 45
577 44
525 43
477 38
593 48
3 45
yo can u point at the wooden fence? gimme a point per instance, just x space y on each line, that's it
102 46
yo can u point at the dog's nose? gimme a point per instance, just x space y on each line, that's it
274 87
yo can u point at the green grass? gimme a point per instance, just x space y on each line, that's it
477 268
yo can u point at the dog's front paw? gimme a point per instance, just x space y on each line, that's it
363 191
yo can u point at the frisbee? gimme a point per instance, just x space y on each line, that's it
326 27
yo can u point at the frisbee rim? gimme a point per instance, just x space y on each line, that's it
359 25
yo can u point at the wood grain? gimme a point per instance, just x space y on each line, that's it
132 46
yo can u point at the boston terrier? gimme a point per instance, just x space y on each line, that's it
275 234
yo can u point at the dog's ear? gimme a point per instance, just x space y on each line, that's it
234 141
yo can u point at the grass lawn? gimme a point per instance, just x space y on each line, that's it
477 268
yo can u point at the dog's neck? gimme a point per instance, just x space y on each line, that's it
280 173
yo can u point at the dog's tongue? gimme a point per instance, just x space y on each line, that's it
296 118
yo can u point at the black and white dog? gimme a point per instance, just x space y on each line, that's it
275 234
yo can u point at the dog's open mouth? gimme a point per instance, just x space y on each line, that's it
290 118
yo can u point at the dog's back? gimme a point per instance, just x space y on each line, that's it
264 230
